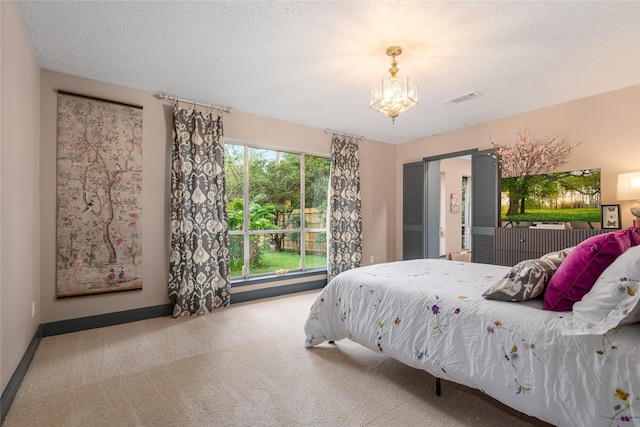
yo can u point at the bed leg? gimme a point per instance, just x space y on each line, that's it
438 387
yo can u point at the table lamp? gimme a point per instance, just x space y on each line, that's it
629 189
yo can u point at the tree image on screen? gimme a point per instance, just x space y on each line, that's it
532 192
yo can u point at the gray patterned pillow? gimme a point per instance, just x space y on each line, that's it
527 279
561 255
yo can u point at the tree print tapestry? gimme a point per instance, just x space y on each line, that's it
99 188
199 268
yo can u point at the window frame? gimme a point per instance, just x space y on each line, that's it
303 230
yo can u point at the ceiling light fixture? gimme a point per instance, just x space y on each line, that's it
394 95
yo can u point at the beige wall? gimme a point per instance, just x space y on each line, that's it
19 228
377 186
606 125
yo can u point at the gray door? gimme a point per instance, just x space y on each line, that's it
413 211
485 212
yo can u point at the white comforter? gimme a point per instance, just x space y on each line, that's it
430 314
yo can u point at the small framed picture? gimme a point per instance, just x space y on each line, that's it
610 217
454 203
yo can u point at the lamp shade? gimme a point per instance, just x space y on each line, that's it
629 186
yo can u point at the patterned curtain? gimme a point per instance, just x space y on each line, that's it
345 220
199 265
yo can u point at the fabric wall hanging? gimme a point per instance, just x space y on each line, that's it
98 196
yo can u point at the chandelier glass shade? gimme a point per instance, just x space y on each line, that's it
394 95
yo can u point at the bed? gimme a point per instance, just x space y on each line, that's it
431 315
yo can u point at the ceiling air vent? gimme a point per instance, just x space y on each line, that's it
467 97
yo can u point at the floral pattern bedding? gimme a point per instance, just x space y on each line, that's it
430 314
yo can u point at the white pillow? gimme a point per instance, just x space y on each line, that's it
613 301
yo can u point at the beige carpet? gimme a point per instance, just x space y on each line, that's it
245 365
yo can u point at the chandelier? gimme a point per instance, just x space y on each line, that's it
394 95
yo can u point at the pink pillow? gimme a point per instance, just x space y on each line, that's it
582 267
634 235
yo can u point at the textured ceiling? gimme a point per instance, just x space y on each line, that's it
314 62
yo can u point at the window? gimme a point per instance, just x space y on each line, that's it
284 227
466 217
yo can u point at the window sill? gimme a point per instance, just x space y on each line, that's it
267 278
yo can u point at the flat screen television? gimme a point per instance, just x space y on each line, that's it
560 197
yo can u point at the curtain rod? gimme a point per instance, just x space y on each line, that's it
188 101
348 135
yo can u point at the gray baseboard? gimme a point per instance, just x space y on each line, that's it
277 291
9 393
117 318
108 319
